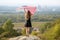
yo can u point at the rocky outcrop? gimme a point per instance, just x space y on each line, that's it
26 38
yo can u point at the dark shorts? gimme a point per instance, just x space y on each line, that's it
28 23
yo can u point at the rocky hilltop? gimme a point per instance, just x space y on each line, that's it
26 38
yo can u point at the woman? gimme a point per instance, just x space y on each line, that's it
28 22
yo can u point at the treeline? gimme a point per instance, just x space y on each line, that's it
17 17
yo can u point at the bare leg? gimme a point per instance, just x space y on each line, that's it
27 30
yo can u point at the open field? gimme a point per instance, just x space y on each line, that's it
34 24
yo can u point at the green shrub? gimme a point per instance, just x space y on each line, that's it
8 29
34 33
8 26
10 34
1 30
23 31
54 32
14 33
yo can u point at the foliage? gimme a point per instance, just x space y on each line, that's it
8 26
50 30
1 30
45 27
7 30
34 33
23 31
54 32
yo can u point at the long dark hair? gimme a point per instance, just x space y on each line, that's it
29 13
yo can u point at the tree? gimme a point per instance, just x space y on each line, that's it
8 29
8 26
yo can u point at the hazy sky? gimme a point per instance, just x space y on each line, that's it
30 2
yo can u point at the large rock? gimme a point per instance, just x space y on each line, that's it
25 38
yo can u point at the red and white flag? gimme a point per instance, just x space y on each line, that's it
30 8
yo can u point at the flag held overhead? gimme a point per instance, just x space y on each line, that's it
30 8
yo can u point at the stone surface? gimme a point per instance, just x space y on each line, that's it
25 38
